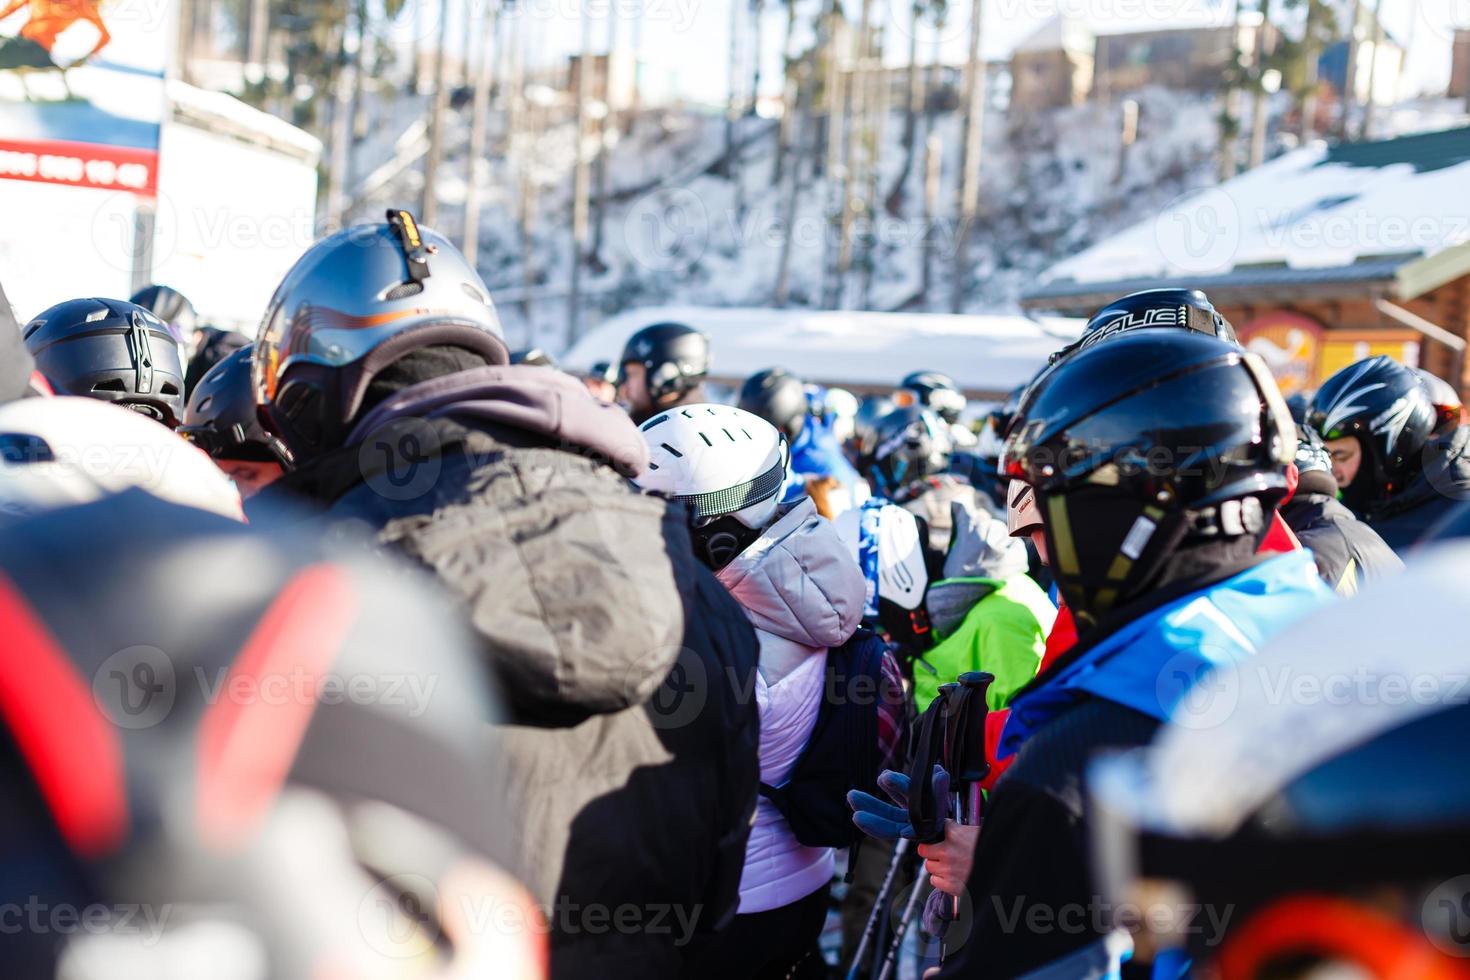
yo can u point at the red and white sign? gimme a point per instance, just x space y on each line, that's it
108 168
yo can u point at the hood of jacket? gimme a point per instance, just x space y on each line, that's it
1153 664
540 401
1446 473
799 581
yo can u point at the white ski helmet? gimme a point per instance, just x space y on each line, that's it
55 452
884 538
721 461
842 407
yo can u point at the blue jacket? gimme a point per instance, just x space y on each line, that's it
816 452
1154 663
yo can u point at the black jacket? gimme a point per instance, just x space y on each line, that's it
1031 886
627 667
1432 493
1347 551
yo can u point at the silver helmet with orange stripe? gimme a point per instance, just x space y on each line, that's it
353 304
280 794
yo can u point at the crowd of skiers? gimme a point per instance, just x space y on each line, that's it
373 648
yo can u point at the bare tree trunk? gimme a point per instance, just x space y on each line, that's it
1350 73
877 133
429 210
415 51
579 182
1230 102
636 104
479 166
604 135
259 29
359 104
933 163
802 83
732 106
1367 130
792 95
832 171
912 110
757 11
184 52
1258 92
857 92
969 182
1309 80
341 140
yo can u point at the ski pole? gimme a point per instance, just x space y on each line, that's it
875 918
900 930
970 766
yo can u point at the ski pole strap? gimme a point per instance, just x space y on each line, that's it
926 811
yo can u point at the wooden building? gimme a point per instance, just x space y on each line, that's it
1319 258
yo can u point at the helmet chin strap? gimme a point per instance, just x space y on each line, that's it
720 541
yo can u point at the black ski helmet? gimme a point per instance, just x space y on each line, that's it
864 438
1002 415
1386 408
936 392
532 357
910 444
211 345
170 306
1188 309
1138 444
604 371
356 302
220 417
675 358
232 733
1299 405
779 398
113 351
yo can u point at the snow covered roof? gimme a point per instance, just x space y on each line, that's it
1356 211
1060 33
222 113
984 354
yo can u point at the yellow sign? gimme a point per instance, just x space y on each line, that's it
1302 353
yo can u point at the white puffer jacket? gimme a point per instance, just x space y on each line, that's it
803 592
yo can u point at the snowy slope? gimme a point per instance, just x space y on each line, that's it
677 232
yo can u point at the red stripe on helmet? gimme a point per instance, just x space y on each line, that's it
72 750
249 738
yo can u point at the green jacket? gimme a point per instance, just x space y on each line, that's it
1004 634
